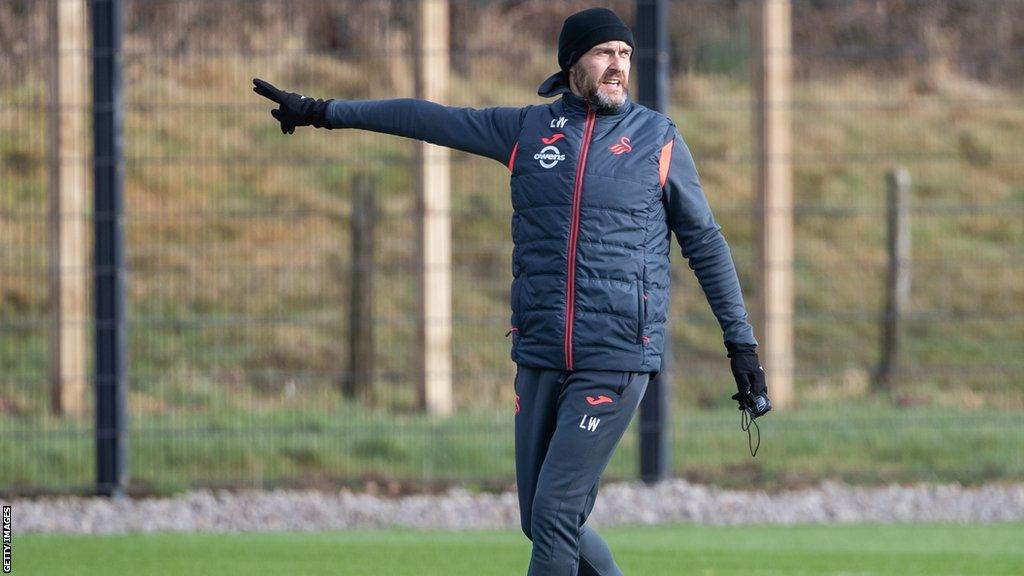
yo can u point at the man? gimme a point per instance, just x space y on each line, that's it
598 185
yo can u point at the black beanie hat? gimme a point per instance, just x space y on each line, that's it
581 32
584 30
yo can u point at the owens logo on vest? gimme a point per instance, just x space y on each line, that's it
549 156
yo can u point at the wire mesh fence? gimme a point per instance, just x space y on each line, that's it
242 262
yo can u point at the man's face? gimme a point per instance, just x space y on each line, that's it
602 75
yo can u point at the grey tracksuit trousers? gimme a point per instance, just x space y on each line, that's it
567 427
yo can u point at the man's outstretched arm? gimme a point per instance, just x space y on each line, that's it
490 132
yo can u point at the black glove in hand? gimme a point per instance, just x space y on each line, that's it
295 109
750 382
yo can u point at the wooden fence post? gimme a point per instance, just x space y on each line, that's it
67 208
358 380
898 280
435 217
775 188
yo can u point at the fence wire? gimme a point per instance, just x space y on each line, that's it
241 260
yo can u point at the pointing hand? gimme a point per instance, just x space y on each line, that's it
295 109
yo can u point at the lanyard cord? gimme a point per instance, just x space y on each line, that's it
745 421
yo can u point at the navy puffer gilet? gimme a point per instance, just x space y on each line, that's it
590 263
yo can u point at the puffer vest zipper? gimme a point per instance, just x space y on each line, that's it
577 193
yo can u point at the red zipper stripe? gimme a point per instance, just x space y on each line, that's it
577 193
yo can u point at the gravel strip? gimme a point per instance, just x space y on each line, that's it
458 509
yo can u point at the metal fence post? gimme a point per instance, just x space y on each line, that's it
108 259
652 68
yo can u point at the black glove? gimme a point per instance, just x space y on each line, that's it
295 109
746 368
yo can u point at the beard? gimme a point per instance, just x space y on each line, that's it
591 89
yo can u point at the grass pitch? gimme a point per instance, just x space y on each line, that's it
862 550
